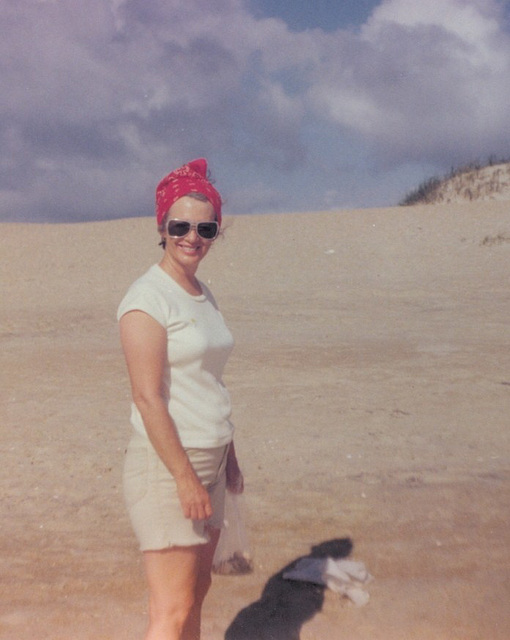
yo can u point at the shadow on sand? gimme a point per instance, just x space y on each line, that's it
285 605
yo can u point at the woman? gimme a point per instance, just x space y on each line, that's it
181 455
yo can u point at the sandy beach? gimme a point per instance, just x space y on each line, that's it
371 391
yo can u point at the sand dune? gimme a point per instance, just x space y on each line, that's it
467 184
371 388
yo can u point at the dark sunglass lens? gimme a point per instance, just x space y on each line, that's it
178 229
207 230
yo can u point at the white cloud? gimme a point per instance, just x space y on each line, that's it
476 23
470 19
424 79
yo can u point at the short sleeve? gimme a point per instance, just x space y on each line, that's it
146 299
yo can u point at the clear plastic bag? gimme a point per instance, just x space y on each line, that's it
233 556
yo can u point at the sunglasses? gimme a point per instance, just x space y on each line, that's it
180 228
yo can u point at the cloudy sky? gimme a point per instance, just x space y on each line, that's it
298 104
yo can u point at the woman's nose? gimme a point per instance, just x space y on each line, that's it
193 235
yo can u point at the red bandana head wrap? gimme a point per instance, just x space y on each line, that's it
190 178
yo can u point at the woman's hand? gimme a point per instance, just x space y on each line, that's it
194 498
235 480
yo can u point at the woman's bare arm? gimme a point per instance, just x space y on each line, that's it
144 342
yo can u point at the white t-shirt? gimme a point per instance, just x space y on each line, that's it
199 345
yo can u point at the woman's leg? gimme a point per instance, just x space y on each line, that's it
172 579
178 579
203 583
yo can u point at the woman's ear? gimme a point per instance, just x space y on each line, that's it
162 232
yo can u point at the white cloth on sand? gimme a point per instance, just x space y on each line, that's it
346 577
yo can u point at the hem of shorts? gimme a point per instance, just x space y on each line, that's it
172 545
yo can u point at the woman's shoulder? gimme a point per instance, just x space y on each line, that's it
151 277
148 293
208 294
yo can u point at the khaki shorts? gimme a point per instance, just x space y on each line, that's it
151 496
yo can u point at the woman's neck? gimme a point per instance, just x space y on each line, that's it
184 277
